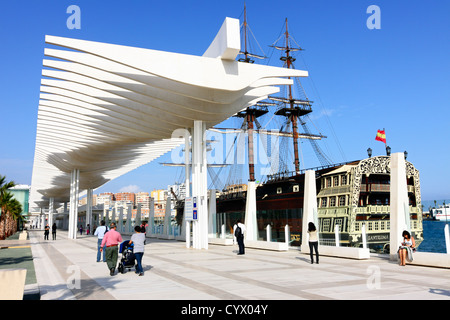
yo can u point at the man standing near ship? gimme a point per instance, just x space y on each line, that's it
239 230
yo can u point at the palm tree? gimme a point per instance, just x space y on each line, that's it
14 215
5 200
6 205
4 186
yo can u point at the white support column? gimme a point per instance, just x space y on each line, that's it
113 214
167 216
129 224
250 212
89 198
151 218
120 226
187 162
399 201
188 233
51 208
74 195
199 185
309 207
187 166
212 213
42 220
138 218
106 216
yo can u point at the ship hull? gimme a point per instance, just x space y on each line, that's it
443 217
280 203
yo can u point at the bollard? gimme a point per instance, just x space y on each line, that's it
447 238
363 236
269 233
12 284
336 234
286 234
222 235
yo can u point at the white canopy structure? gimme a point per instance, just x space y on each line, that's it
107 109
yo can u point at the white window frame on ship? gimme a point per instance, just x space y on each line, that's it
326 225
332 201
341 201
339 222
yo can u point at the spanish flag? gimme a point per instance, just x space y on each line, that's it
381 136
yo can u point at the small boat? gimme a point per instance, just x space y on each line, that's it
442 213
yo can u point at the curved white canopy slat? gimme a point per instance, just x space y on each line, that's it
108 109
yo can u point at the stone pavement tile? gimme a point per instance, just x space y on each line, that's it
173 272
19 257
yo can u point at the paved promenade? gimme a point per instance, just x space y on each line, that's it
67 270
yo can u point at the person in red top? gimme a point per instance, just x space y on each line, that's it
111 239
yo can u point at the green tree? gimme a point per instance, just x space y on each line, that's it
8 208
13 217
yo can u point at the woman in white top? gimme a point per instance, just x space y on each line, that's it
406 248
138 239
313 242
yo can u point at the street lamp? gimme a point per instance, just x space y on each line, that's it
388 151
406 155
369 152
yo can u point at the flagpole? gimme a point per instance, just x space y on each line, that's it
381 136
388 152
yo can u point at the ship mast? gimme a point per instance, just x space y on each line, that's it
294 115
294 108
251 113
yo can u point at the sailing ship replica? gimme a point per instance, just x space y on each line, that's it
350 194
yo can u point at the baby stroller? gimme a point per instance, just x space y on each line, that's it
128 259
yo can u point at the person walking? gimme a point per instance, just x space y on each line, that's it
144 226
239 230
138 239
46 231
313 242
54 231
111 239
100 233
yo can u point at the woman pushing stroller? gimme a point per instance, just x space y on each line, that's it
138 240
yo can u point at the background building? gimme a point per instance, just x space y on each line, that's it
143 198
106 199
125 196
21 193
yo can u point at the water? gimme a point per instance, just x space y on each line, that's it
434 238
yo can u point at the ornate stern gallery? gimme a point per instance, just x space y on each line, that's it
357 194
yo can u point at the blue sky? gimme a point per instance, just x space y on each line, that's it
396 77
